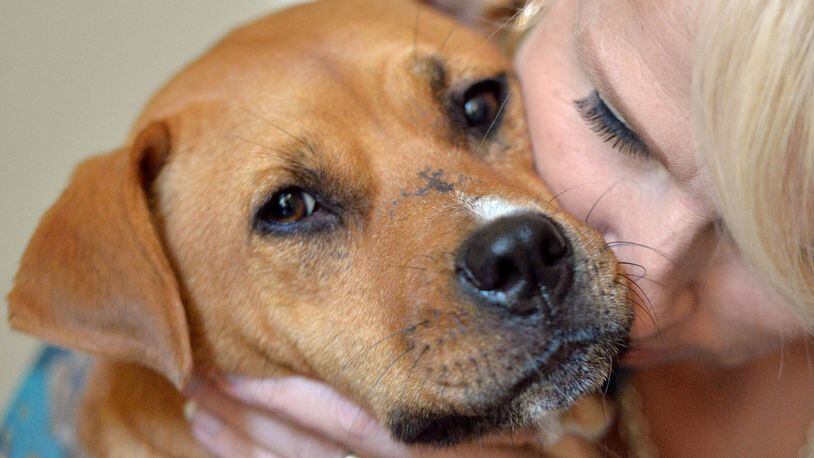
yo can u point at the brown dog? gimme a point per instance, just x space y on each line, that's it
342 190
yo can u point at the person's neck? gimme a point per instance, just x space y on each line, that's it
763 408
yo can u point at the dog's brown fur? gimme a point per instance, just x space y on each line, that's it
149 259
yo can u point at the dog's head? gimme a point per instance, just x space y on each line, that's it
343 190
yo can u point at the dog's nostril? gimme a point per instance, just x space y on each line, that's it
489 276
507 272
554 247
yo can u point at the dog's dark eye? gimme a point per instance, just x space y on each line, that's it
480 110
480 105
289 206
291 209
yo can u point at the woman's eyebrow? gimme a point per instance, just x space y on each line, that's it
590 61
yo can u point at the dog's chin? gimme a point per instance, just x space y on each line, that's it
532 399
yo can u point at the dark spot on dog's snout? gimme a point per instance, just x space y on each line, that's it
433 180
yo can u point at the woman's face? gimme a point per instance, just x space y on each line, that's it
607 90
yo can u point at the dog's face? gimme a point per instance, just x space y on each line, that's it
345 190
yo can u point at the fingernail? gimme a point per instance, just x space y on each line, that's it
189 409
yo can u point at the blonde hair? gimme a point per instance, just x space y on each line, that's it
753 89
753 107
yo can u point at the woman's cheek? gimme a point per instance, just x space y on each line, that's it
557 137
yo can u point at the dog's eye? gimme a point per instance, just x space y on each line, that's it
481 104
288 206
292 209
480 109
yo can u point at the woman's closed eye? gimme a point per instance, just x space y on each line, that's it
609 126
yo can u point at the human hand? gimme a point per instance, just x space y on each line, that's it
296 416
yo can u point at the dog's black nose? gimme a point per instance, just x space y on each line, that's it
514 260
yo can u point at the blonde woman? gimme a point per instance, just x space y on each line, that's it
685 129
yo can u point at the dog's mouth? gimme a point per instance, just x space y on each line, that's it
580 366
539 325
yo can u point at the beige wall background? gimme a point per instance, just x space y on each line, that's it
73 76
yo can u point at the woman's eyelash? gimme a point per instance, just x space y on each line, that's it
600 118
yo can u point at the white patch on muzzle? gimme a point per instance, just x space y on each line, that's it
490 208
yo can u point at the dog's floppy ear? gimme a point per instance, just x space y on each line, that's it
95 277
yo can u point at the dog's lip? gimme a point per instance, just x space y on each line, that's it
451 428
562 355
445 429
561 351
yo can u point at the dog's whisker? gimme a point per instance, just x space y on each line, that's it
502 26
270 148
627 243
391 365
643 275
634 292
496 29
299 140
608 376
409 374
449 34
640 305
599 199
494 121
633 264
405 330
418 358
530 359
642 308
363 355
657 283
643 295
570 188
